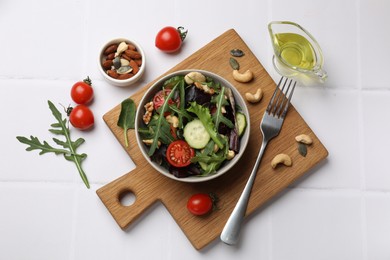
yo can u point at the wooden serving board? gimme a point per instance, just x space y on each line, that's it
149 186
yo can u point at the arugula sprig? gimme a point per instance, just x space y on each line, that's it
160 125
218 116
69 147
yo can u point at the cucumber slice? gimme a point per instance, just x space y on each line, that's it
196 135
241 120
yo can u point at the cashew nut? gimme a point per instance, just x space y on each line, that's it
254 98
173 120
206 89
194 76
150 142
243 77
305 139
281 159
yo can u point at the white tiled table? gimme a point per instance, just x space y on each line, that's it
341 210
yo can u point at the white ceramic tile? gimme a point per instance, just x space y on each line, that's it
374 38
376 108
333 116
36 221
378 225
41 37
328 24
339 211
317 225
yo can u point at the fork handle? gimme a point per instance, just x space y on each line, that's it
231 231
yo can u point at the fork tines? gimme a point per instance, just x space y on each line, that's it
278 105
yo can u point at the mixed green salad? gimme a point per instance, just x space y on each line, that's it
193 125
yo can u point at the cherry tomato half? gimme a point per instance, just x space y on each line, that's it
82 92
169 39
81 117
200 204
179 153
159 98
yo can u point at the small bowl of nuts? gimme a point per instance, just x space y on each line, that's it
122 62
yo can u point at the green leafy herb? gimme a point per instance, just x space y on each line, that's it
160 125
69 147
218 116
126 118
203 113
210 160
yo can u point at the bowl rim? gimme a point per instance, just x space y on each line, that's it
244 138
122 82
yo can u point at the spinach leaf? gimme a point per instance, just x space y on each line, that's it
126 118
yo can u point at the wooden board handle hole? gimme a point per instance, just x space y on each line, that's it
127 198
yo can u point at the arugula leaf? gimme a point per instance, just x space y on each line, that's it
70 147
218 116
126 118
209 160
203 113
161 124
35 144
171 82
182 101
181 112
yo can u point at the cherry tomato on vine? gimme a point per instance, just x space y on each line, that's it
179 153
82 91
201 203
81 117
169 39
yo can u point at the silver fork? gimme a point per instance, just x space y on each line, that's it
270 127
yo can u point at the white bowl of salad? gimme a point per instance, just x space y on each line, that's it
192 125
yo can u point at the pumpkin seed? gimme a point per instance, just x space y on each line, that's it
302 149
124 62
124 70
237 53
116 62
234 64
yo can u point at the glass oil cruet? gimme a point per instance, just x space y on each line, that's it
296 53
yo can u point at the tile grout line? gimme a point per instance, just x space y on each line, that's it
270 219
73 238
363 217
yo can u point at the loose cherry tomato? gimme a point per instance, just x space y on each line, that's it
179 153
159 98
81 117
200 204
82 92
169 39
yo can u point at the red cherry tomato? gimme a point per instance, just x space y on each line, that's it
200 204
179 153
81 117
82 92
159 98
169 39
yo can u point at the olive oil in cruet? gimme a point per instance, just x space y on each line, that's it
295 50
